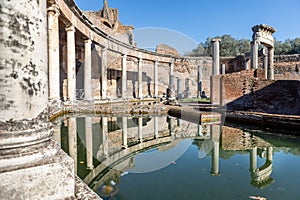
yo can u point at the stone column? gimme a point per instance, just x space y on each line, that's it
265 62
199 131
254 54
179 88
271 64
156 79
89 142
171 80
215 159
170 126
124 132
71 63
156 127
72 137
124 76
140 129
88 70
270 153
53 53
104 136
104 73
216 56
140 79
223 69
199 80
246 66
253 159
187 88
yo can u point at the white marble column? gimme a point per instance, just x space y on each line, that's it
140 79
216 56
254 54
89 142
179 88
223 69
171 79
71 63
124 132
88 70
156 127
156 79
53 53
271 64
199 80
215 159
124 76
140 129
270 153
104 73
72 137
199 133
265 62
104 136
57 135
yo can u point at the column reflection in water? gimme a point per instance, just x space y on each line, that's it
215 138
72 137
156 127
199 134
140 131
253 159
104 136
89 142
57 134
170 126
124 131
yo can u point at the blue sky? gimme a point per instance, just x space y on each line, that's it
199 19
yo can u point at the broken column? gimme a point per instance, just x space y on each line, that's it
271 64
216 56
27 153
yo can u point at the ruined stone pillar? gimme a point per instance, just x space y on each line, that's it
265 62
199 80
179 88
140 129
156 127
71 63
124 132
72 138
271 64
156 79
88 70
140 79
170 126
216 56
104 131
187 88
53 53
124 76
254 54
223 69
104 73
89 142
253 159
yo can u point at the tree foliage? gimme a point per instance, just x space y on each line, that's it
230 46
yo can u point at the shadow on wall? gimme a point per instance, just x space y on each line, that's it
279 97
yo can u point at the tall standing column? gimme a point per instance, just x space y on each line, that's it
216 56
88 70
89 142
199 80
124 132
156 79
171 80
71 63
271 64
156 127
187 88
265 62
140 78
223 69
254 54
124 76
140 131
53 53
104 73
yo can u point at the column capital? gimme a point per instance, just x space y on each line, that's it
216 40
88 40
70 28
140 59
54 8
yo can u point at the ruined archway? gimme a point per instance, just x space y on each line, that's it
262 34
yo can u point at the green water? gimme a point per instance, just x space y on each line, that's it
183 161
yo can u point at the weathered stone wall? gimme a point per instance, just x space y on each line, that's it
243 91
